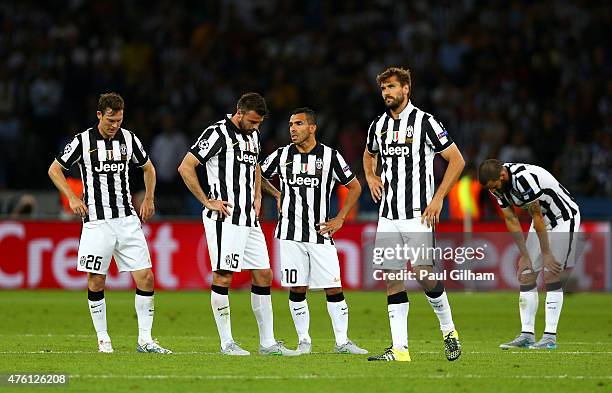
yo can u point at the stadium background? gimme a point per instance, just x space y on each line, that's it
515 80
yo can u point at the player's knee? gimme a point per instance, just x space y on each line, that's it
550 277
527 277
96 282
222 278
262 277
394 286
332 291
298 289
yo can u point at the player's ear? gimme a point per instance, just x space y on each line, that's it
99 115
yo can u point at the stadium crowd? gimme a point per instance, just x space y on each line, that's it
522 81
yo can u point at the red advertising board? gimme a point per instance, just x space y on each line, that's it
35 254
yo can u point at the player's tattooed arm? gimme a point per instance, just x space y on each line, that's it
187 170
539 225
268 188
514 227
332 226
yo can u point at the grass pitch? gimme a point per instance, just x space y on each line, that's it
51 331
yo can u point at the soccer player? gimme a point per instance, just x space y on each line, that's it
231 196
111 227
550 245
407 140
308 171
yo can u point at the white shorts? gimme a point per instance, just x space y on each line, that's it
121 238
235 247
309 265
563 241
408 240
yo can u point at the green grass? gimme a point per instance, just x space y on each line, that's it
51 331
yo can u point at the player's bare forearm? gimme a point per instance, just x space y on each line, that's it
354 190
456 163
257 182
187 170
514 227
150 181
56 173
539 226
369 164
268 188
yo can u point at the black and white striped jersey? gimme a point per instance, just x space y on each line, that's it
104 170
407 147
528 183
306 181
230 159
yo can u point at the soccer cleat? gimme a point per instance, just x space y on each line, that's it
452 346
278 349
350 348
152 347
523 340
105 346
304 347
392 355
234 349
548 341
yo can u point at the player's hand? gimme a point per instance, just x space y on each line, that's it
376 187
330 227
147 209
219 206
257 205
78 207
549 262
524 264
432 212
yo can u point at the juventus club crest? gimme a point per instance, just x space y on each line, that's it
319 164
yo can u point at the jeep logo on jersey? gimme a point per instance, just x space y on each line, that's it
246 157
106 168
304 180
393 149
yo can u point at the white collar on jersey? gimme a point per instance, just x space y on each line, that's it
403 114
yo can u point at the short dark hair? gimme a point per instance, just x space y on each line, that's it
311 115
402 74
112 101
489 170
252 102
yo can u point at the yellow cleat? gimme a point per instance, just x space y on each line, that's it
392 355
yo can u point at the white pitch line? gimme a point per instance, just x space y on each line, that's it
335 377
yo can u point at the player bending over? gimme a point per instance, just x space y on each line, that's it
550 245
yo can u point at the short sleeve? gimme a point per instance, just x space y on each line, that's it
72 153
436 135
527 187
341 170
139 156
208 145
269 166
372 142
